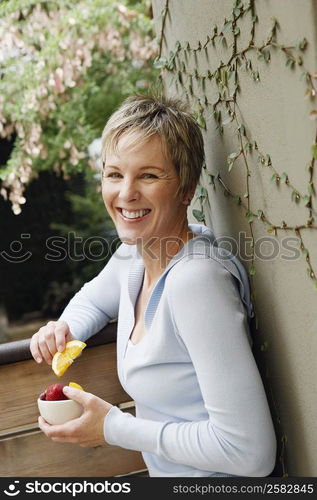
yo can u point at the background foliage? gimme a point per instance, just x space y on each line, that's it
64 67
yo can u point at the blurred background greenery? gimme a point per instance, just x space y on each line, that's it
64 68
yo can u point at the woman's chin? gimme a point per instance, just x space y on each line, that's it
128 239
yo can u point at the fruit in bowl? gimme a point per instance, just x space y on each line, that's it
55 407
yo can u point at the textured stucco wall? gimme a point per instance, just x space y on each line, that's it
275 113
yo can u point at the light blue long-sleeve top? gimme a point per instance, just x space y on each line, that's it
201 408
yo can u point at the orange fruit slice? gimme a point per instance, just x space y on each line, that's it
62 360
76 386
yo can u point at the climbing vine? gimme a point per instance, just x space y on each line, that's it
224 107
182 66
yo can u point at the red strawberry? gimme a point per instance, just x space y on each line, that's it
55 393
43 396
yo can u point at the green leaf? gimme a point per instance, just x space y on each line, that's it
247 147
236 30
284 177
268 160
201 192
265 346
224 77
242 129
237 199
290 62
199 215
256 76
295 196
212 180
252 270
232 156
271 230
217 115
230 160
236 11
160 63
305 76
314 150
310 189
201 121
249 216
231 74
301 44
267 55
228 120
203 101
227 25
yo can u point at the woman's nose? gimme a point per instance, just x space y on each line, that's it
129 190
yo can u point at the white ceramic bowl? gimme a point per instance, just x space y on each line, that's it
59 412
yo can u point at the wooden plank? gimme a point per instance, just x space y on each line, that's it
21 383
34 455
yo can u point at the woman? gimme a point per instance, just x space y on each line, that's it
182 304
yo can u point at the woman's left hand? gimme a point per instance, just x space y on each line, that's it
87 430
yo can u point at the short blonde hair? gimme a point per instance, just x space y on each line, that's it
142 116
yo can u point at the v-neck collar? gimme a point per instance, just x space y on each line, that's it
136 277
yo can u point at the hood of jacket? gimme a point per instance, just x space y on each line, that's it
205 243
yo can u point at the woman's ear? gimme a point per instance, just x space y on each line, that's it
189 196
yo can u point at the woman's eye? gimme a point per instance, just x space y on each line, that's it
113 175
149 176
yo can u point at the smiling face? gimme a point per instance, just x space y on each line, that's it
139 190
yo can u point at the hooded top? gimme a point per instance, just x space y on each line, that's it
201 409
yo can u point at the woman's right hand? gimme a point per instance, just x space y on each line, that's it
49 339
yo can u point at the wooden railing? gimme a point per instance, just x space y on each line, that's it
24 450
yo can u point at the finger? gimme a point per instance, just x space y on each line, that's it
64 432
50 337
35 349
69 336
64 440
78 395
43 425
45 353
61 332
53 430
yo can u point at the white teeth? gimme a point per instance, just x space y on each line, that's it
134 215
